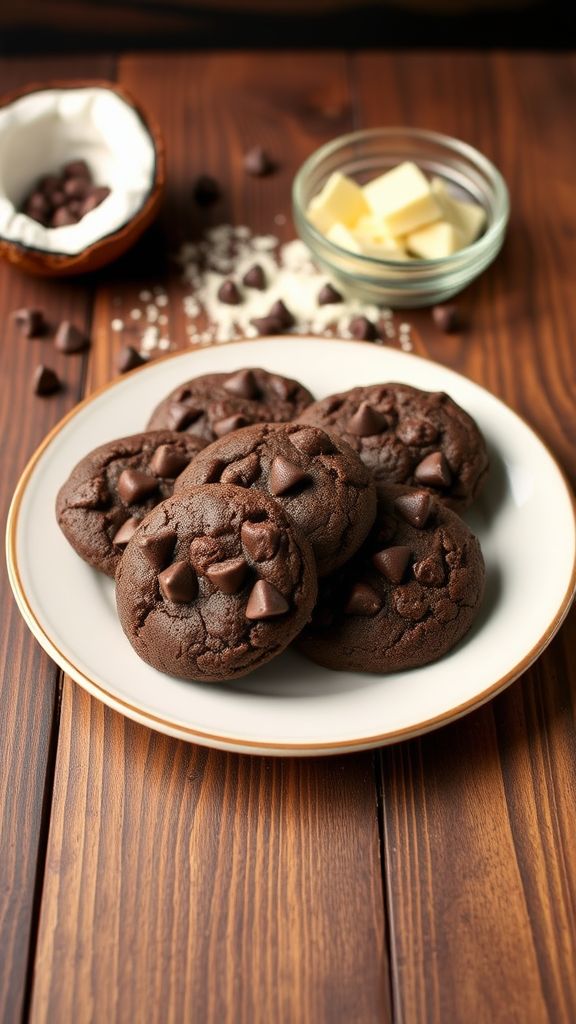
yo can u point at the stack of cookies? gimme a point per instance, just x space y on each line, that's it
249 516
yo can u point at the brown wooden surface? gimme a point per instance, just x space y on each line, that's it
146 879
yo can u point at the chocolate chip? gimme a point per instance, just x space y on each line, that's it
206 190
430 571
229 294
242 473
57 197
327 295
255 278
63 217
228 576
45 381
74 206
70 339
134 486
95 197
167 462
128 359
265 602
448 318
284 476
49 182
433 471
267 325
159 547
213 470
37 207
181 416
242 384
31 322
126 531
414 507
362 600
260 540
362 328
226 426
392 562
280 312
257 162
178 583
77 169
366 421
76 188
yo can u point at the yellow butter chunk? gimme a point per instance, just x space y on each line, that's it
469 218
435 240
402 199
340 201
340 235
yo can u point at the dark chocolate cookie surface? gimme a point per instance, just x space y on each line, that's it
315 476
113 487
408 436
217 403
408 596
215 582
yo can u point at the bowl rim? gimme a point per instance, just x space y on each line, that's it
441 263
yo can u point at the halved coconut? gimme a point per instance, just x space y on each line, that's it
42 128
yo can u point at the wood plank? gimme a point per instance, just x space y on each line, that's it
196 884
29 686
479 852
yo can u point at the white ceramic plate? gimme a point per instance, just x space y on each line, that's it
524 519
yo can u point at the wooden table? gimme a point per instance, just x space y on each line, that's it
146 880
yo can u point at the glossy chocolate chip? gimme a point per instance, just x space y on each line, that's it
366 421
228 576
62 218
362 328
181 416
128 359
255 278
95 197
328 295
31 322
448 318
227 425
362 600
258 162
265 602
167 462
279 311
159 548
70 338
260 540
267 325
45 381
391 562
178 583
433 471
242 385
76 187
229 294
134 486
77 169
284 476
414 508
126 531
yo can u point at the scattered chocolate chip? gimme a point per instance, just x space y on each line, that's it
265 602
267 325
258 162
255 278
159 547
229 294
134 486
128 359
448 318
178 583
31 322
362 328
167 462
63 217
284 476
260 540
433 471
242 385
206 190
280 312
126 531
95 197
414 508
70 339
366 421
226 426
228 576
392 562
327 295
45 381
362 600
77 169
181 416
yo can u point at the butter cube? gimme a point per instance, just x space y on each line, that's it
435 240
469 218
340 235
340 201
371 229
402 199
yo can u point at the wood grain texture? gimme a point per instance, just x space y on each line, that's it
28 689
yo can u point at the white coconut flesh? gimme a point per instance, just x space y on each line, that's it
44 130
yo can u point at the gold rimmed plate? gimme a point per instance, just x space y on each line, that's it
524 519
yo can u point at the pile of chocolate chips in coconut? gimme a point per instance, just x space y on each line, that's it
58 200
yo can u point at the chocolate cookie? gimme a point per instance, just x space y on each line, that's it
213 405
215 582
113 487
408 596
408 436
317 478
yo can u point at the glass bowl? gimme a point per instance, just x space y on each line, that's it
366 154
